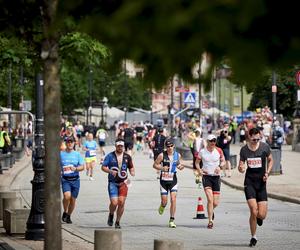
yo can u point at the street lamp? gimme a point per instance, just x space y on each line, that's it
36 222
103 103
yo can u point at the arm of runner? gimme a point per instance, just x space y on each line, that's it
131 168
180 166
241 166
269 167
197 163
109 171
157 163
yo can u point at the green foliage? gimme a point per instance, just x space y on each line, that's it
286 92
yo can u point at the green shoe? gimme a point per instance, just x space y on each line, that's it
161 209
172 224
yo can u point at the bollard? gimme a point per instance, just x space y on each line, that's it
4 193
168 245
11 203
108 240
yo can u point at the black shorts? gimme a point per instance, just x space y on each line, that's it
139 138
128 145
213 182
255 189
101 143
166 186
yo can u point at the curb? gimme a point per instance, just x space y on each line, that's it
275 196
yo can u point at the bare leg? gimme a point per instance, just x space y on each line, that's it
173 204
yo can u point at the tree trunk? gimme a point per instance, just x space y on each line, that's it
52 126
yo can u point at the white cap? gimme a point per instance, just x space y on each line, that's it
198 130
211 137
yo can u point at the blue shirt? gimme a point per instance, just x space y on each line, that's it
91 146
69 159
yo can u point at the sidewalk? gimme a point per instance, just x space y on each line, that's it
285 187
69 241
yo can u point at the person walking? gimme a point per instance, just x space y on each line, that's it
257 155
71 163
212 160
168 162
116 165
90 148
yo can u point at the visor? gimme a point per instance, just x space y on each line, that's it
119 143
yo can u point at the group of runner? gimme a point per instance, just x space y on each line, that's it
209 161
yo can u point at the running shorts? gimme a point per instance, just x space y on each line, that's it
166 186
116 190
213 182
255 189
72 186
128 146
90 159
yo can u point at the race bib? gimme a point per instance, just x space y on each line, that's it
225 141
254 162
166 176
92 153
68 169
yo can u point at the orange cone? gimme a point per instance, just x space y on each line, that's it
200 210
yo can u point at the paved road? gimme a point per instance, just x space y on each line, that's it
141 223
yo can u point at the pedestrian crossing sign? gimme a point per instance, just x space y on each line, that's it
190 98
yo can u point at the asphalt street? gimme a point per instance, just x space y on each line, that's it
141 223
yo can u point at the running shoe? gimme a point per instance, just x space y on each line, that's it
161 209
253 242
259 221
110 220
210 225
64 217
91 178
117 225
68 219
172 224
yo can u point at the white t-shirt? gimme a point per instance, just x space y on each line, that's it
211 160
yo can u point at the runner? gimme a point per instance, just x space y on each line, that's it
101 135
259 164
212 160
79 132
129 138
116 164
168 162
71 163
157 145
90 146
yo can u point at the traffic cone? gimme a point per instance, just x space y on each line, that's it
200 210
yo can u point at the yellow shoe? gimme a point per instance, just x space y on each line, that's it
161 209
172 224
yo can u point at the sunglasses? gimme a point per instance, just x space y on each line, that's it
70 141
213 140
255 140
170 146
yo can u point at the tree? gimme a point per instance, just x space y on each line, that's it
286 92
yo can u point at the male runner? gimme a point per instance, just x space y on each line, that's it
71 163
259 160
212 159
168 162
116 164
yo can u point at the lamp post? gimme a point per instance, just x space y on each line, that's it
36 222
90 96
103 105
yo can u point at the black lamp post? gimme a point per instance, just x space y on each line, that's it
274 144
36 222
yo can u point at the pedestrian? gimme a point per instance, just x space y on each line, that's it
168 162
116 165
212 160
259 161
90 148
199 143
5 141
71 163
